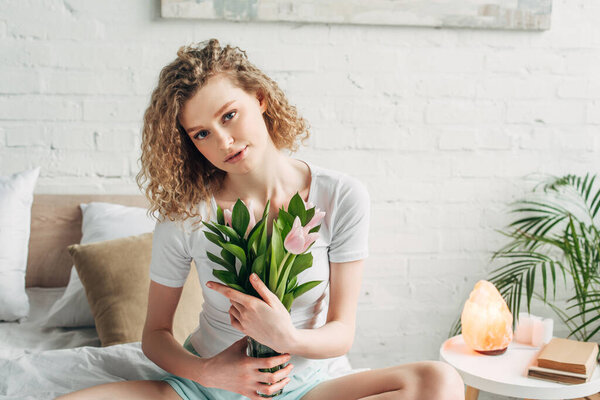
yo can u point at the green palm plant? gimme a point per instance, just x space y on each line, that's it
555 237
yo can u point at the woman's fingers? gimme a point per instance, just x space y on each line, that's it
271 362
271 389
274 377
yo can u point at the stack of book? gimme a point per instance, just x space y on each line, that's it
565 361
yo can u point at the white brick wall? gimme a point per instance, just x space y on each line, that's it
440 124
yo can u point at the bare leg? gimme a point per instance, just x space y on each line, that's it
424 380
131 390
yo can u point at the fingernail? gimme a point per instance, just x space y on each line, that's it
208 284
254 277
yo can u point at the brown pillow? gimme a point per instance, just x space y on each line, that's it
115 275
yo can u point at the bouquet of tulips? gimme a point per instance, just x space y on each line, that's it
277 260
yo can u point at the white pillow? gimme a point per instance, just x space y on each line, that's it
101 221
16 196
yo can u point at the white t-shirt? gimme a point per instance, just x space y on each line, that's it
343 237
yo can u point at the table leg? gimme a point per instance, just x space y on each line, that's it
471 393
590 397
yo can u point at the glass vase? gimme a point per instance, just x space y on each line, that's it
259 350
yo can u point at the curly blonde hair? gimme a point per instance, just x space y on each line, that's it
174 175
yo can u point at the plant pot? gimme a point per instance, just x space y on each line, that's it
259 350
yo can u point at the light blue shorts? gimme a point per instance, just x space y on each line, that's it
190 390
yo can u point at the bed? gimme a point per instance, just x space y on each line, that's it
39 360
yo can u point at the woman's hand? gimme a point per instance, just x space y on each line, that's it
234 371
268 321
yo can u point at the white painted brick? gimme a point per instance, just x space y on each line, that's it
67 137
442 60
19 80
56 26
87 82
421 218
17 159
464 112
459 216
564 138
443 268
593 112
555 112
301 59
493 138
410 111
445 85
27 135
577 88
457 138
582 62
119 109
377 136
117 140
80 163
518 87
408 243
525 60
385 267
36 108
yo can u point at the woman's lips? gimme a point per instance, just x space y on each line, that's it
238 156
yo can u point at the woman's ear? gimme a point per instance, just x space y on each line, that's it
261 101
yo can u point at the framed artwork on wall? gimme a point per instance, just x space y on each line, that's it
488 14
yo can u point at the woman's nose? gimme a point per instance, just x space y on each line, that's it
225 140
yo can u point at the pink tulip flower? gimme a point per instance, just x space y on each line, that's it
252 218
227 217
316 220
298 239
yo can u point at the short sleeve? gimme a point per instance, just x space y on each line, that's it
350 225
170 264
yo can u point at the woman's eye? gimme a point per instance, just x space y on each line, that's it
201 134
228 116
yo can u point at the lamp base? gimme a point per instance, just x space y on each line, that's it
492 352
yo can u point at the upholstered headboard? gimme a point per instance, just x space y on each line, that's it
55 224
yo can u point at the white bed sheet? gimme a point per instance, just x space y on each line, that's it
42 363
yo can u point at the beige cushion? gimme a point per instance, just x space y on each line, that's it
115 275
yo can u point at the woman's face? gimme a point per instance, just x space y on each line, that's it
226 125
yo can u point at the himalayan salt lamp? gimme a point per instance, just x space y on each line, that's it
486 320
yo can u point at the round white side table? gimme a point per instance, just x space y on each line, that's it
506 374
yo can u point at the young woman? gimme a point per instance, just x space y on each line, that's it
216 130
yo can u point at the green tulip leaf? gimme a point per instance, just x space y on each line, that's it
237 251
287 301
240 217
220 215
216 259
310 213
229 232
258 266
305 287
291 284
227 256
225 276
296 208
216 239
213 229
302 262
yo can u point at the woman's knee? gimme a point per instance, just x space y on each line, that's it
440 381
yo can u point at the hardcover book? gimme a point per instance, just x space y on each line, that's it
569 356
557 376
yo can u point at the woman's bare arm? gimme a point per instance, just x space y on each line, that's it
158 342
336 336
